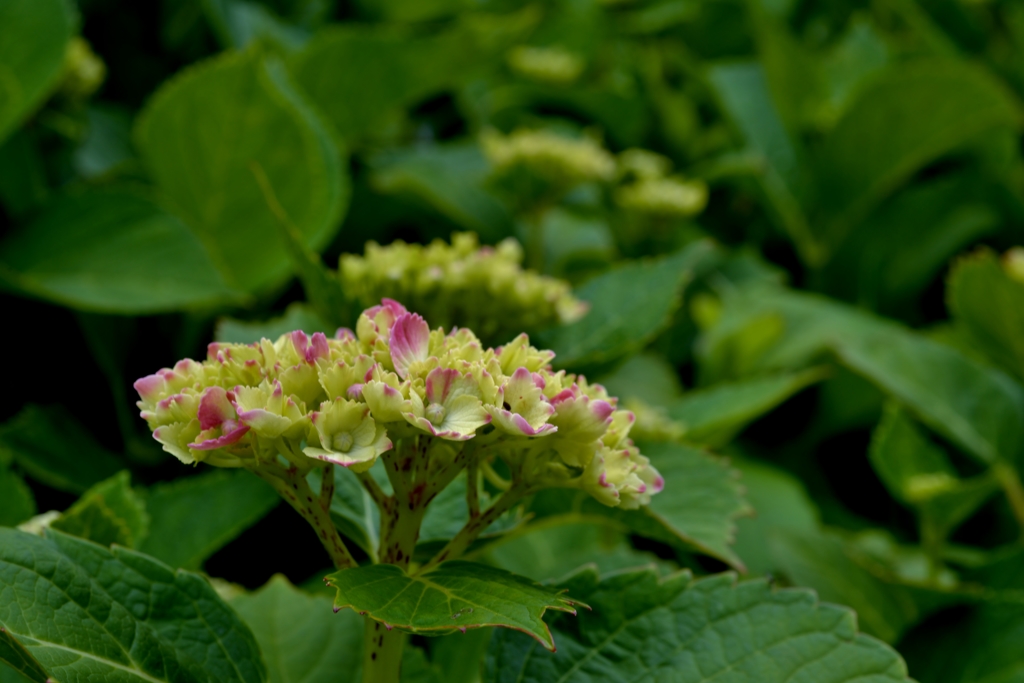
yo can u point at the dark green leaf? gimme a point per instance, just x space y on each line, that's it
302 639
360 78
109 512
16 500
33 38
559 545
675 629
989 306
194 517
906 118
91 614
107 144
19 659
211 132
742 92
696 510
980 409
646 376
629 306
49 445
454 595
779 501
822 562
114 251
450 180
714 415
459 657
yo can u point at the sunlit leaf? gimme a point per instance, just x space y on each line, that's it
453 595
109 512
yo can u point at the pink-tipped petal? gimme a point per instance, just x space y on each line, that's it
410 339
149 387
439 383
344 333
602 409
226 439
318 348
215 408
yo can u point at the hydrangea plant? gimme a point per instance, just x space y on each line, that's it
428 404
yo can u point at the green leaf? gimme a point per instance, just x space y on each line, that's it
352 509
33 38
206 135
907 117
989 306
909 239
646 376
822 562
109 512
459 657
675 629
49 445
629 306
19 659
696 510
114 251
302 639
449 512
382 72
713 416
450 180
16 500
779 501
742 92
980 409
192 518
975 406
979 645
453 595
297 316
87 613
107 144
556 546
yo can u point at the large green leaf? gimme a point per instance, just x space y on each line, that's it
779 501
33 38
89 614
49 445
559 545
696 511
742 91
109 512
989 306
977 407
450 180
360 78
192 518
213 131
302 639
683 631
113 251
16 500
980 409
19 660
453 595
904 119
629 306
714 415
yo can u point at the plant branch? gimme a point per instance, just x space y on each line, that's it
473 487
373 488
292 486
475 526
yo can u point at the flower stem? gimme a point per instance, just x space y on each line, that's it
292 486
382 653
477 525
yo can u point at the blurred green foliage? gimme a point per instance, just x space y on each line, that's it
793 223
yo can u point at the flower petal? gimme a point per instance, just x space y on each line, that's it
410 342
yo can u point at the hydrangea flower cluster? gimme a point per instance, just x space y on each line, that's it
349 400
652 191
559 159
546 64
485 288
